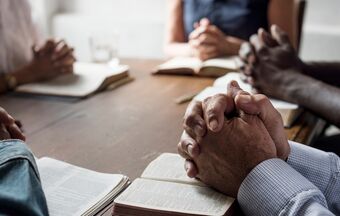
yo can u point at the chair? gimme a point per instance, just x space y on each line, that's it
300 8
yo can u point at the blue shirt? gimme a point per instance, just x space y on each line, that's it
20 187
307 184
238 18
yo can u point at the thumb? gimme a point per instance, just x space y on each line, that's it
205 22
279 35
260 105
267 38
234 89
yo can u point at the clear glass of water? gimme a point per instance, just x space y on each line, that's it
104 49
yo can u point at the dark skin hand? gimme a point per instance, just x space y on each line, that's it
210 114
9 127
272 67
51 60
233 149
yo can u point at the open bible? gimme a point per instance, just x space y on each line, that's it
164 189
193 66
289 112
72 190
87 79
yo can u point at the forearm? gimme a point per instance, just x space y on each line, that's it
318 97
328 72
320 168
275 188
24 74
3 84
232 45
174 49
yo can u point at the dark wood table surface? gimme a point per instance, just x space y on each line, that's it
122 130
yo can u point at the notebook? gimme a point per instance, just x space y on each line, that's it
165 189
87 79
289 112
193 66
72 190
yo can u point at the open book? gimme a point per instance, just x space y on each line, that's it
193 66
71 190
164 189
87 78
289 112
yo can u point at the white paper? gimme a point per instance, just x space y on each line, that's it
226 79
169 167
72 190
175 197
181 62
228 62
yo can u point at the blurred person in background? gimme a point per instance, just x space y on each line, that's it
24 57
212 28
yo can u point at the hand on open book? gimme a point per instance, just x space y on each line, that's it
208 41
213 111
269 62
9 128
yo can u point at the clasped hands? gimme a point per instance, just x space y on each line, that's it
227 135
52 59
208 41
9 127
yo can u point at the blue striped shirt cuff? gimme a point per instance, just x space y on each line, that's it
312 163
270 186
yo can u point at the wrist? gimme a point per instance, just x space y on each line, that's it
305 67
231 46
24 75
3 83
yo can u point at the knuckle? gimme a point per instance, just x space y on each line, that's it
180 147
189 120
262 50
206 101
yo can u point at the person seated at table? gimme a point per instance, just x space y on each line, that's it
272 67
20 187
23 59
247 156
212 28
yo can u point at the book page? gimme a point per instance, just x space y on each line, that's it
72 190
227 62
210 91
226 79
182 62
175 197
86 79
169 167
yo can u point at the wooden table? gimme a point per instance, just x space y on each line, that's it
118 131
